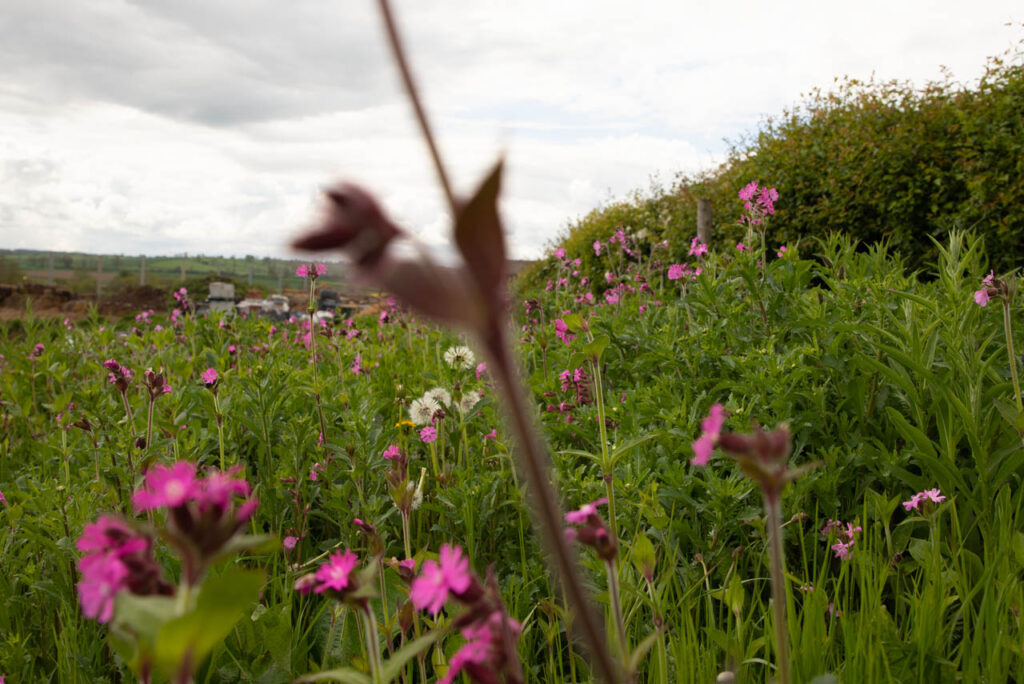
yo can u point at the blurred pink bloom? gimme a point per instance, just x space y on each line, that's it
988 280
741 247
101 582
209 377
493 434
697 248
169 487
302 271
559 253
290 542
981 297
711 428
579 517
782 250
321 269
612 297
748 191
562 332
391 452
481 370
676 271
597 248
451 574
336 572
428 434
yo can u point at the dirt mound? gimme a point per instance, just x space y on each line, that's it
55 302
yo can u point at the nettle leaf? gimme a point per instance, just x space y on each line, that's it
222 601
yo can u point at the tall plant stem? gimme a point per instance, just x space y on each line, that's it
220 428
311 309
372 644
1010 352
534 461
131 428
616 605
772 507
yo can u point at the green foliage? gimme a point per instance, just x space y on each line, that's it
892 384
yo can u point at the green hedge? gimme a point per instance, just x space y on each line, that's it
875 161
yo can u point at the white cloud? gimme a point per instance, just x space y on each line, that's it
199 126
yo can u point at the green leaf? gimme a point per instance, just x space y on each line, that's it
393 667
596 347
641 650
341 674
222 601
642 553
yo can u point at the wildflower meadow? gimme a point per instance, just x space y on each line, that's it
738 461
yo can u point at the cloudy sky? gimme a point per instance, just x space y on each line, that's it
208 126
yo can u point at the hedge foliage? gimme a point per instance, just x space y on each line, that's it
876 161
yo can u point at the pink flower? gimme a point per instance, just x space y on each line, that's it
711 428
981 297
391 452
483 653
932 495
676 271
219 488
597 248
493 434
782 250
336 572
697 248
559 253
169 487
989 280
209 377
302 271
748 191
290 542
451 574
321 269
428 434
562 332
741 247
579 517
101 582
612 297
843 549
481 370
2 499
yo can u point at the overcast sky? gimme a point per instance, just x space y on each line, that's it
208 126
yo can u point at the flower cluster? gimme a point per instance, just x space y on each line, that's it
117 558
846 531
119 376
563 333
992 287
489 632
203 513
156 384
758 202
313 271
576 380
919 500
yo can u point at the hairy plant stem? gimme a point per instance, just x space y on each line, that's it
534 461
1010 353
772 507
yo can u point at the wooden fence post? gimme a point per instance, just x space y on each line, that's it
142 270
704 220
